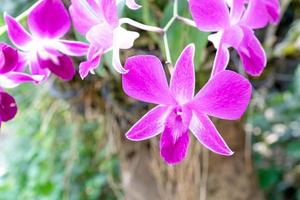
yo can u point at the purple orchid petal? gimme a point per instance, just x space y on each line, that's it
261 12
182 83
93 61
22 62
212 15
252 53
146 80
17 34
225 96
72 48
174 153
150 125
132 5
105 10
49 19
51 50
19 77
174 141
88 66
110 11
237 10
8 107
221 60
13 79
95 5
83 18
86 14
207 134
231 37
7 82
62 67
8 58
273 8
36 69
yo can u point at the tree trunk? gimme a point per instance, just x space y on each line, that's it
203 175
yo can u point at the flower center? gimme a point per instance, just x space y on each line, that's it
39 47
178 111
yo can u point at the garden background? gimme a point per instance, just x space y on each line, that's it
67 141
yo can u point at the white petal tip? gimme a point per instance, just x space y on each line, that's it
191 45
230 153
125 71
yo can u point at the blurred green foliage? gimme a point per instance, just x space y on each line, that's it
274 114
53 153
275 125
290 46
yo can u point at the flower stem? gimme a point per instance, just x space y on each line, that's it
140 25
167 49
175 8
169 24
186 21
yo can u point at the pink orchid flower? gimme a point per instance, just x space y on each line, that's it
234 29
11 68
11 75
44 49
225 96
98 21
262 12
8 107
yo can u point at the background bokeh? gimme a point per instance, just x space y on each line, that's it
60 147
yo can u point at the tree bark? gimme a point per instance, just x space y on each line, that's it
203 175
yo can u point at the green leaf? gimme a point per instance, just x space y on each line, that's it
180 34
179 39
